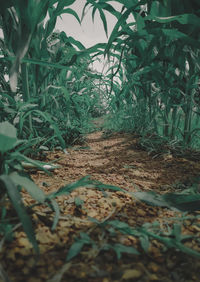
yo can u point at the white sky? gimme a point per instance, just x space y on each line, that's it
88 33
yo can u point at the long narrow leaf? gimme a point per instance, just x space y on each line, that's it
67 189
17 203
56 209
29 186
71 12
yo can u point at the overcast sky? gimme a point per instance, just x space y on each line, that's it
88 33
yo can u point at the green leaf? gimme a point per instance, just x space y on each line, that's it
110 9
40 62
78 202
72 12
119 248
151 198
123 227
95 48
56 208
74 250
103 18
182 19
119 224
17 203
85 238
8 136
27 106
187 203
67 189
144 240
131 8
29 186
62 4
85 181
25 161
76 43
177 231
48 118
171 242
103 186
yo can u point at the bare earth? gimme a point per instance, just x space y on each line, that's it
118 161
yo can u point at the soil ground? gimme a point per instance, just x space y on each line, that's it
115 160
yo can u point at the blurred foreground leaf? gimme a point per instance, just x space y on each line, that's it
186 203
8 136
15 197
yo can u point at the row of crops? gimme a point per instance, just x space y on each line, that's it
48 96
158 71
152 85
49 92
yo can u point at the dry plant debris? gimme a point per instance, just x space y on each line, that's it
117 161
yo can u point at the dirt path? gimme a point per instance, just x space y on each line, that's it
118 161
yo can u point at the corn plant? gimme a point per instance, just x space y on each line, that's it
48 97
20 21
11 178
53 90
159 51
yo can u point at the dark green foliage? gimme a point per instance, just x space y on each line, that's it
11 189
77 246
56 93
11 181
158 71
187 202
187 199
50 98
13 178
151 88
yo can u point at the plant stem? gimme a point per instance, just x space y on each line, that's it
25 88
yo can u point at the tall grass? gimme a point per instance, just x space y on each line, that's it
48 100
52 93
151 87
159 88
